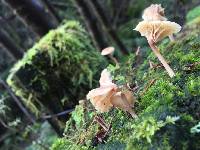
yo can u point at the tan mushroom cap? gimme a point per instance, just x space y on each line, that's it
130 98
100 91
157 30
105 79
124 100
102 102
153 13
100 97
107 51
109 95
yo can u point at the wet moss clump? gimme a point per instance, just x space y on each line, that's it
57 71
167 108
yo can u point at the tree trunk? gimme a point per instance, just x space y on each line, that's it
107 25
34 15
10 45
52 10
91 23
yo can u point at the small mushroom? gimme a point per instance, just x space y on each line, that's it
109 51
100 98
108 95
154 12
106 79
155 31
123 101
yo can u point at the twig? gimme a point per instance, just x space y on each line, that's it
137 51
101 122
151 64
4 125
191 66
148 86
155 66
58 114
24 110
132 89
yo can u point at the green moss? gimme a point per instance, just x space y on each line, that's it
167 108
148 127
63 144
57 71
192 14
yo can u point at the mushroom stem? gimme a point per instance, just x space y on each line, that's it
113 59
128 107
171 37
161 58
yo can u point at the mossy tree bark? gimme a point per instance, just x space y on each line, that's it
47 79
168 109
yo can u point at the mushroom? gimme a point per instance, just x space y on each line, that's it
108 95
100 98
106 79
124 101
109 51
154 12
155 31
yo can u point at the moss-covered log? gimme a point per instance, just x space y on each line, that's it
168 109
58 71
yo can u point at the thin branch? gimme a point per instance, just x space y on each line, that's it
58 114
24 110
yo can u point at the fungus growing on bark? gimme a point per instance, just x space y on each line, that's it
155 31
109 51
108 95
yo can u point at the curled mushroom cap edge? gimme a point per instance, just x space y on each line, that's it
157 30
154 12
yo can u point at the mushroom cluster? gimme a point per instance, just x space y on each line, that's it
155 27
109 95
